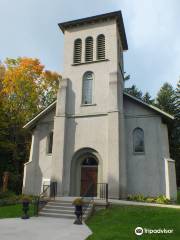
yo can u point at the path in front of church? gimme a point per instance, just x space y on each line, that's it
42 228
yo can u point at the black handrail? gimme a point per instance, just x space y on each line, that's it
88 195
53 192
102 189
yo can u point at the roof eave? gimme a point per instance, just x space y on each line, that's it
164 114
33 121
118 15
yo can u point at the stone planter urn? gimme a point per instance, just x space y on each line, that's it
25 208
78 204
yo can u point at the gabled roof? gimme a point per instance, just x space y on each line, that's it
40 115
161 112
33 121
116 15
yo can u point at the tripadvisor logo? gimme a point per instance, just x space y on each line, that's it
139 231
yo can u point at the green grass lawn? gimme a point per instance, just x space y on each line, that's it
119 222
13 211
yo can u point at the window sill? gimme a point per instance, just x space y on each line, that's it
139 153
49 154
96 61
88 105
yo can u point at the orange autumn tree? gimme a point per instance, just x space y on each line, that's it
26 88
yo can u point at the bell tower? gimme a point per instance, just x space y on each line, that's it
89 111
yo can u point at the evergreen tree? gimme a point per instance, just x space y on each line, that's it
134 91
147 98
168 100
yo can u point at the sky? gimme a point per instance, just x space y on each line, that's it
29 28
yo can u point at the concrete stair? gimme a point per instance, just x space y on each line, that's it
61 209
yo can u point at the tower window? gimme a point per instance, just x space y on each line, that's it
77 50
101 47
50 143
89 49
138 140
87 88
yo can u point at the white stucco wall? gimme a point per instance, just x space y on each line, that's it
40 162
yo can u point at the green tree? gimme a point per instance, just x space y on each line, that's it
147 98
134 91
168 100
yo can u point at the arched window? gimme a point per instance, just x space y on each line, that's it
50 143
101 47
138 140
89 49
87 88
77 50
89 161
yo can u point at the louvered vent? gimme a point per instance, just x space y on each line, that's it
101 47
77 50
89 49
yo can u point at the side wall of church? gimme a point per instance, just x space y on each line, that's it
38 168
146 171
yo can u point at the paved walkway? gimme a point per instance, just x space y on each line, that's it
40 228
133 203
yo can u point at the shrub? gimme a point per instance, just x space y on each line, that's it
162 199
7 195
150 200
140 198
10 198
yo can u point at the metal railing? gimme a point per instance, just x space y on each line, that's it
88 197
49 192
102 191
99 191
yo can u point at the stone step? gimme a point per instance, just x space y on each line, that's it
56 211
59 204
55 215
59 207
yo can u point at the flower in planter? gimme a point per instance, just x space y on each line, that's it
78 202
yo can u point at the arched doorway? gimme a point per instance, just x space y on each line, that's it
89 176
86 168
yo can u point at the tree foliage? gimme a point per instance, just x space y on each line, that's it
25 89
134 91
168 99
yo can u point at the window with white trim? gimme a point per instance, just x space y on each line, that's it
87 88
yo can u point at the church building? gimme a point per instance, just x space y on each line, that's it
95 132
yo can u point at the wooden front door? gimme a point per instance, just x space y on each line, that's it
89 181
